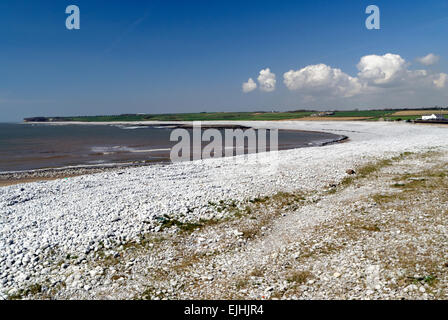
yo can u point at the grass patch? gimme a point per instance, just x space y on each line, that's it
299 277
371 168
382 199
257 272
250 233
398 185
372 228
188 227
430 280
241 284
151 294
365 171
31 290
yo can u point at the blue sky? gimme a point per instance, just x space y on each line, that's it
192 56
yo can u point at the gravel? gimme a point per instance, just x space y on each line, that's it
43 223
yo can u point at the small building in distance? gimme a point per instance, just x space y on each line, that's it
434 117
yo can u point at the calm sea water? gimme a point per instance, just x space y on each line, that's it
36 146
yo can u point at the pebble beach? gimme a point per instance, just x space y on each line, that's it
53 234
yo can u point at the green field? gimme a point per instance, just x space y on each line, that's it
371 115
398 118
364 113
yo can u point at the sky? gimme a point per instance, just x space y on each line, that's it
139 56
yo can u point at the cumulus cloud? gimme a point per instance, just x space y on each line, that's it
267 81
381 80
441 80
381 70
376 73
392 70
249 86
322 77
429 59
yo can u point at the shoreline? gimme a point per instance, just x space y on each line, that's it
8 178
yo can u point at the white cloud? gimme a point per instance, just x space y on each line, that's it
429 59
267 81
376 75
321 77
381 70
249 86
382 81
441 80
392 70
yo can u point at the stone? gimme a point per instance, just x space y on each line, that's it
237 233
13 292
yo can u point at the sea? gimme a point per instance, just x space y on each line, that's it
25 147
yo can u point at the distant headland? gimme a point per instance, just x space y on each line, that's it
310 115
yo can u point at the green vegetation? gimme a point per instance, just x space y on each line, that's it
363 113
371 168
31 290
367 115
167 222
151 293
429 279
215 116
401 118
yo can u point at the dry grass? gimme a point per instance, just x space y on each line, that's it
257 272
419 112
368 170
332 118
299 277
